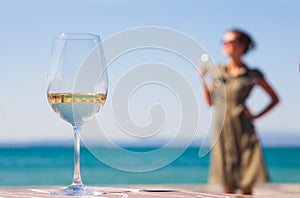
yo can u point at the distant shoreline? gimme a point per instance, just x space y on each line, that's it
268 139
68 144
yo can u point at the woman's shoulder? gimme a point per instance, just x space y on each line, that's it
256 71
216 70
221 66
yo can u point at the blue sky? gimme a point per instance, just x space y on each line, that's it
28 29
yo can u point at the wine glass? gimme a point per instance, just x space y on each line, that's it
76 90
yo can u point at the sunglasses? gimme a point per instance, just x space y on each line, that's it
231 42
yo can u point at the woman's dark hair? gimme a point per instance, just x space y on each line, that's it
245 38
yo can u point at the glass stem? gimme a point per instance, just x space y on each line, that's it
76 177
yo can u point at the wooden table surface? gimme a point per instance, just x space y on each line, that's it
165 191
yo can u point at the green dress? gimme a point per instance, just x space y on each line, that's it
236 154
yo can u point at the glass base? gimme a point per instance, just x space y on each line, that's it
77 190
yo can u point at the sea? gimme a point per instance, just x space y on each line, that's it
53 165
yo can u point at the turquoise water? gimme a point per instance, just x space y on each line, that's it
54 166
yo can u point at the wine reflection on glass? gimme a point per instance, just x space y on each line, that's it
76 91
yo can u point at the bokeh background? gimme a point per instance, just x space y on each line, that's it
28 29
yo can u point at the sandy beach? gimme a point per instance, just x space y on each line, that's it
151 191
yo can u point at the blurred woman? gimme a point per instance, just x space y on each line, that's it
236 158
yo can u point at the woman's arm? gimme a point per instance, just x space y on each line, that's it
206 90
274 99
207 94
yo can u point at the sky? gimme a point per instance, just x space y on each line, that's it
28 29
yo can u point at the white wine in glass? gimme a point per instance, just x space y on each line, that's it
76 91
